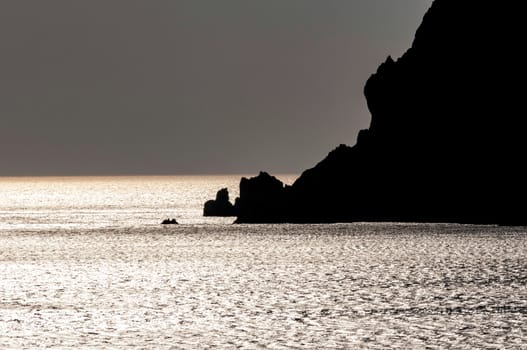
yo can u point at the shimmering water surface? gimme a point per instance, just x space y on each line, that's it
85 264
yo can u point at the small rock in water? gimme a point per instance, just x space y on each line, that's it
169 222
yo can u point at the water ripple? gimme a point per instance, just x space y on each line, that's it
372 286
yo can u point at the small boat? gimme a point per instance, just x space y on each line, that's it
169 222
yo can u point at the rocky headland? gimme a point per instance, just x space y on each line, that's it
446 142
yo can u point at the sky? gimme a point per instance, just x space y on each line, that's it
122 87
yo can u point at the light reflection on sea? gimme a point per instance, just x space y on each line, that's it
44 203
373 286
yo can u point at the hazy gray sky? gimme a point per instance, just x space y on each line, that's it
188 86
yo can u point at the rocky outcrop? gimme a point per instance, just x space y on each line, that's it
447 138
262 200
221 206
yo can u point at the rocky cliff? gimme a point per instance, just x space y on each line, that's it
447 139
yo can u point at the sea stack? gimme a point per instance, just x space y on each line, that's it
447 138
221 206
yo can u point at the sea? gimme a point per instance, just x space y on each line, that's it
85 264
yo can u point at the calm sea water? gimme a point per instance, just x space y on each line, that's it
84 263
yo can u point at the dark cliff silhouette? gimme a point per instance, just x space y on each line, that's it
262 199
221 206
447 139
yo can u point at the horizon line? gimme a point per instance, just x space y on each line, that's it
143 175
